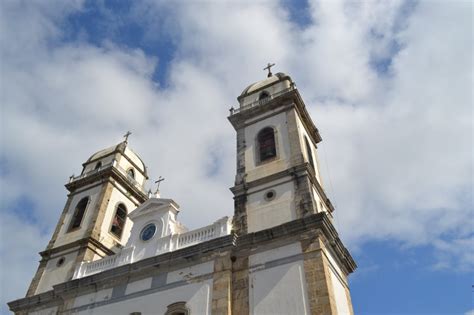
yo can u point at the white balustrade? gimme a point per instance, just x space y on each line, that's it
165 244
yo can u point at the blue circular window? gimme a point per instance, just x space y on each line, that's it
148 232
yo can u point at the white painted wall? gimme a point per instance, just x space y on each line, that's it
46 311
53 274
340 296
147 300
279 289
263 214
198 298
116 197
65 237
303 133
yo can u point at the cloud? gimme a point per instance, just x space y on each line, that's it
387 83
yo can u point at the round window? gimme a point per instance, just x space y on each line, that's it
148 232
270 195
60 262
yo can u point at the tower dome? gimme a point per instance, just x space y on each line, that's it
270 87
107 155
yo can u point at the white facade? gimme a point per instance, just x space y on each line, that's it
279 254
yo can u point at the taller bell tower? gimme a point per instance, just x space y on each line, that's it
278 177
94 221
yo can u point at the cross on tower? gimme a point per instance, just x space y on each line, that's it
126 135
268 67
158 182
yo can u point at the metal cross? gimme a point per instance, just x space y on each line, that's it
160 179
268 67
126 135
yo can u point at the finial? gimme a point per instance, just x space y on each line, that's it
158 182
268 67
126 135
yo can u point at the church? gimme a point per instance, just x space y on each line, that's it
118 249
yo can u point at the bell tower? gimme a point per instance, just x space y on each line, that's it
94 221
278 177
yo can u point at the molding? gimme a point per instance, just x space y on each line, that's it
291 99
114 173
309 227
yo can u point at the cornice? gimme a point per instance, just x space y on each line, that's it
308 227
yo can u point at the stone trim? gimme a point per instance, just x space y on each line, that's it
309 227
222 285
240 285
291 99
114 173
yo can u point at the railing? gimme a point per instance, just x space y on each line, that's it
260 102
162 245
105 166
94 171
109 262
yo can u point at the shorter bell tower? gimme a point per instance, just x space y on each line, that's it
94 222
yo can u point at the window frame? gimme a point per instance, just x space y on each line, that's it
258 155
71 226
117 207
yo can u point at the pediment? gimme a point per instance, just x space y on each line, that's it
154 205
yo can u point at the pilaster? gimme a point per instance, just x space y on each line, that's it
240 286
222 286
318 281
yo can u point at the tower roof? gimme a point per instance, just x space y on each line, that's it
260 85
123 148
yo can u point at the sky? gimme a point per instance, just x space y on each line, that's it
388 84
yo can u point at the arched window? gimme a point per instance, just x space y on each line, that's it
266 144
178 308
263 95
119 220
98 165
131 173
78 214
309 152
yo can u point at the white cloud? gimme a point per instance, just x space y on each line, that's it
398 144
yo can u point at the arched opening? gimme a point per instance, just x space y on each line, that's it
309 152
266 144
131 173
98 165
263 95
118 221
78 214
178 308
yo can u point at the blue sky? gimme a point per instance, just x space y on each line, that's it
388 84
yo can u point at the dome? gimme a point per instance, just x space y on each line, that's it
260 85
123 148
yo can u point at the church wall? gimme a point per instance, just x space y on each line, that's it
339 294
320 204
116 197
277 284
262 213
152 295
197 297
65 237
53 274
303 133
46 311
253 168
339 284
125 164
